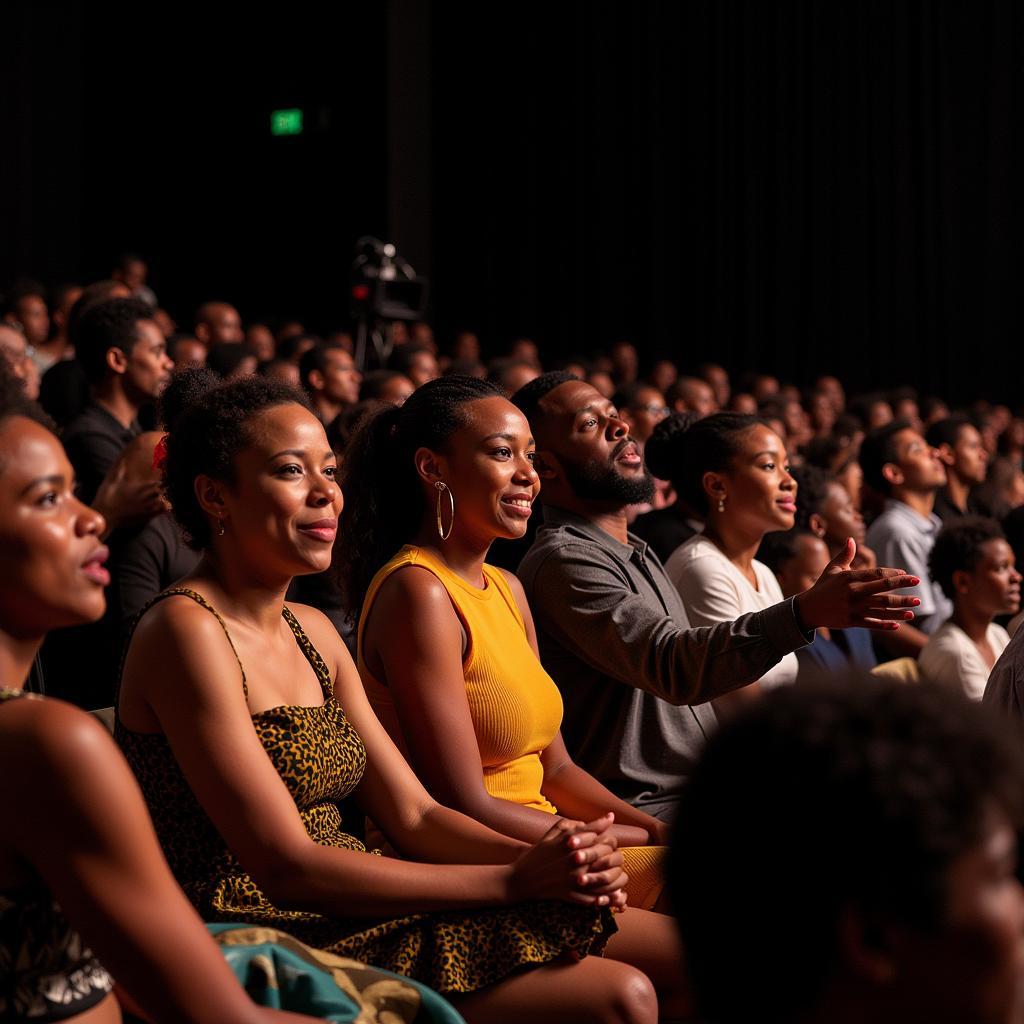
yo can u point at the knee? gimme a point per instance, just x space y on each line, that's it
631 998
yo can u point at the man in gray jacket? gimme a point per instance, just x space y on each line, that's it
613 632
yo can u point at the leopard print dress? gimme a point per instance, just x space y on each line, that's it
321 759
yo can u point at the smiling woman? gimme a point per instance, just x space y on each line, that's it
464 694
247 726
80 868
734 470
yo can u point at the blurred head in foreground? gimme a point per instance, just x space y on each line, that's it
847 852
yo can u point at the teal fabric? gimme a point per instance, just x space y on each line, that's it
280 972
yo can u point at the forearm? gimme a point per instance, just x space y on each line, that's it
353 884
445 835
578 795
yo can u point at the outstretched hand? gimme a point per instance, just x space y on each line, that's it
843 597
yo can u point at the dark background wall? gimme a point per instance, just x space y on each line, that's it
785 186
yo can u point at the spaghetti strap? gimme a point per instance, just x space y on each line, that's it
202 602
317 663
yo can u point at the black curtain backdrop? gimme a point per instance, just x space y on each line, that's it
791 187
786 186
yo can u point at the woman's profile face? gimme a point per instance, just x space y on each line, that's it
281 512
488 466
759 493
53 573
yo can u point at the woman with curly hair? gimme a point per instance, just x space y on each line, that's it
247 726
80 867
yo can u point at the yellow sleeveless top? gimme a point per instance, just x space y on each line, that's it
515 705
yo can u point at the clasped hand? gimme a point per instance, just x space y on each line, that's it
574 861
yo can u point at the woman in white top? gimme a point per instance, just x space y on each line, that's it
736 473
976 569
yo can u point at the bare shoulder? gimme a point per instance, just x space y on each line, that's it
180 644
321 631
177 617
48 747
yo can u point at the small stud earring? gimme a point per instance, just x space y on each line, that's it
721 504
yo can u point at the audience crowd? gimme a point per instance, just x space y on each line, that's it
453 678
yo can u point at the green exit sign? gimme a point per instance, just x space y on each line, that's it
286 122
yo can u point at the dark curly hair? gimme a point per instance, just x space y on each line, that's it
958 546
687 449
846 792
208 423
384 502
113 323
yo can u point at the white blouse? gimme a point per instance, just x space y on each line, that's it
950 658
714 590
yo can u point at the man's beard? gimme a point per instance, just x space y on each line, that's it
595 481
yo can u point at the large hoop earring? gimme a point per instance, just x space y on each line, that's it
443 488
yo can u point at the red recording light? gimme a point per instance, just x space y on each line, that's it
360 292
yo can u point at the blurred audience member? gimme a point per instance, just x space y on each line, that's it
641 407
385 386
715 375
663 375
281 369
885 889
218 323
124 357
330 377
833 389
511 374
976 569
625 362
959 446
872 410
743 403
824 507
58 346
525 350
691 394
231 361
798 557
602 382
259 339
25 309
294 346
902 467
416 362
186 351
15 349
131 270
1003 489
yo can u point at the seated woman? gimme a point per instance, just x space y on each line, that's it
431 486
824 506
798 557
246 724
80 867
734 470
976 569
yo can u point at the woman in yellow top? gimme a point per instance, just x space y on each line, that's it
431 485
